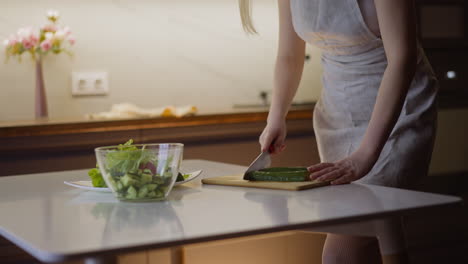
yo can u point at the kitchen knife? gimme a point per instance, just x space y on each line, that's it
262 161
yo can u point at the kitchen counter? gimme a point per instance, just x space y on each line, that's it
60 126
230 136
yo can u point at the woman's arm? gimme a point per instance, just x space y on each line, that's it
287 75
398 29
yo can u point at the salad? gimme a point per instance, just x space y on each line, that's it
135 173
98 181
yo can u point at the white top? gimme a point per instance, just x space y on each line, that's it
54 222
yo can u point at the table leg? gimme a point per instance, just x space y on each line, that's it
101 260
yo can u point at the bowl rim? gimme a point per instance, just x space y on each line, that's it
113 147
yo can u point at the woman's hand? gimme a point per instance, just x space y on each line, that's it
352 168
273 136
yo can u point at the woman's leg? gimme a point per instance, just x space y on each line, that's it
388 247
392 241
346 249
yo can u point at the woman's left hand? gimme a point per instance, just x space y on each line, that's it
352 168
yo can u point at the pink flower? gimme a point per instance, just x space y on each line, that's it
50 37
30 41
34 38
46 45
27 44
49 28
72 40
27 37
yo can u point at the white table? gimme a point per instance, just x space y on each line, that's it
55 222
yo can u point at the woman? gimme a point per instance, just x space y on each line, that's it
376 118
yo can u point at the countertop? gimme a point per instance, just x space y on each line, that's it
60 126
71 223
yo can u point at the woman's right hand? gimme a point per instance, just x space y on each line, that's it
273 137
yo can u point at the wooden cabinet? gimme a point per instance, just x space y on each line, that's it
230 138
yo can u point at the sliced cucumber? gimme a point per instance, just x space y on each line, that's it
131 193
158 180
143 192
128 180
280 174
146 178
180 177
140 184
152 187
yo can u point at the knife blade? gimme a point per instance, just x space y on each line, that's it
261 161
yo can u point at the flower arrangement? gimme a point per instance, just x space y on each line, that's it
51 38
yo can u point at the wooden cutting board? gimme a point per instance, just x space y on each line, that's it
237 180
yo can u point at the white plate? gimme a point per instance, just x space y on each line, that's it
87 185
192 175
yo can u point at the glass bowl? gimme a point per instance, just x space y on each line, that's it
140 172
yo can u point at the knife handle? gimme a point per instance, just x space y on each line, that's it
271 149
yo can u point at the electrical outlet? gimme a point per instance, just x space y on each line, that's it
89 83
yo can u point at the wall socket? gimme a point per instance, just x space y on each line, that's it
90 83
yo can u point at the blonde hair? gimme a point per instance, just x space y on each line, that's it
245 8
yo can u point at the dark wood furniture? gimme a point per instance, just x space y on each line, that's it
54 145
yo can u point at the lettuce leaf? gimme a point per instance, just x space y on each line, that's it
96 178
127 158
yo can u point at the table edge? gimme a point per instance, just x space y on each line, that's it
59 257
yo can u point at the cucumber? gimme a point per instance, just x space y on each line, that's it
140 184
146 178
158 180
180 177
143 192
151 187
128 180
119 186
279 174
131 193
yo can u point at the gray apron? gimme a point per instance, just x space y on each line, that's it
354 61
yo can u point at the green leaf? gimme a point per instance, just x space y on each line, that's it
96 178
127 158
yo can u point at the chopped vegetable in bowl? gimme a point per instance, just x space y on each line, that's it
140 172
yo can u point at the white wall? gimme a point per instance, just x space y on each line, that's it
157 52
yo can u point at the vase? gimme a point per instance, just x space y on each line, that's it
41 100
